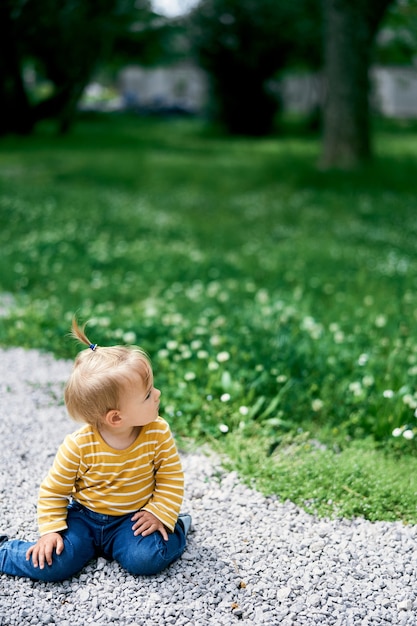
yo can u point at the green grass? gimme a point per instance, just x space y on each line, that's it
278 302
357 481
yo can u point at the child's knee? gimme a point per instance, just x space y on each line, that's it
151 555
145 560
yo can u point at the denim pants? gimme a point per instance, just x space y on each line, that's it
90 535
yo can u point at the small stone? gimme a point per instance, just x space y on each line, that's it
317 546
405 605
314 600
283 593
83 595
170 611
155 597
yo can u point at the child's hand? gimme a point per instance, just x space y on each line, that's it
42 550
147 523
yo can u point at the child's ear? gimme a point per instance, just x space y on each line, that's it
113 418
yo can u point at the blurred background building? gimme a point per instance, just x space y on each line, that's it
183 89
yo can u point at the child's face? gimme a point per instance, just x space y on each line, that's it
139 405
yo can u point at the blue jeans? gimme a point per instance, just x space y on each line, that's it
89 535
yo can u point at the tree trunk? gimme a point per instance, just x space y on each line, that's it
15 113
245 106
349 32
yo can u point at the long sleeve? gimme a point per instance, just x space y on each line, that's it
165 502
57 488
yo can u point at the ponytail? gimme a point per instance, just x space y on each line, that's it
79 334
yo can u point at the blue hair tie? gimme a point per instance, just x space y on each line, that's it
92 346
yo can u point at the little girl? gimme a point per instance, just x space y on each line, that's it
116 486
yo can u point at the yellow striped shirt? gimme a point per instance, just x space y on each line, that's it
147 475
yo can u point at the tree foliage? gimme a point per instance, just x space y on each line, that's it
396 42
64 42
243 44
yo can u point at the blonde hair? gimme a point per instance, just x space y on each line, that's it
99 377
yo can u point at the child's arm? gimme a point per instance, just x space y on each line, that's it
57 488
165 502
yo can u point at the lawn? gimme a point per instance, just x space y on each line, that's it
278 302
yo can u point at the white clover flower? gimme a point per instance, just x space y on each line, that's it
189 376
222 357
213 288
316 333
262 296
368 381
225 397
163 353
381 321
129 337
282 378
312 327
215 340
202 354
196 344
150 310
243 410
408 434
355 388
397 432
223 428
317 404
410 401
388 393
220 320
308 323
172 345
363 359
213 366
339 337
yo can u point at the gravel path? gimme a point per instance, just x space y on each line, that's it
250 559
